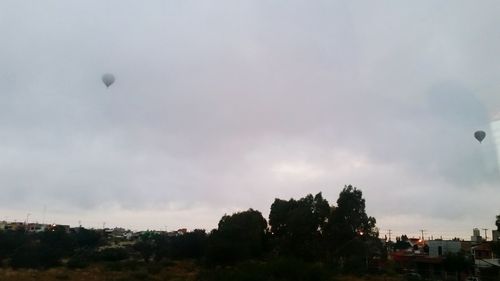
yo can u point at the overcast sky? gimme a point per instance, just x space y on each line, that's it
219 106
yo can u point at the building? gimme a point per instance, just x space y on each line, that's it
36 227
476 236
438 248
482 251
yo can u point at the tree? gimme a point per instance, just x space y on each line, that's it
401 245
189 245
496 244
58 240
145 248
239 236
457 263
349 218
350 230
10 241
297 225
87 238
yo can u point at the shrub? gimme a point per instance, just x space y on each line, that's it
77 262
112 254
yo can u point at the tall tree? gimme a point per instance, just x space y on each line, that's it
297 225
239 236
349 218
350 233
190 245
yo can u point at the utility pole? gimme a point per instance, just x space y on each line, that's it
26 222
389 232
422 231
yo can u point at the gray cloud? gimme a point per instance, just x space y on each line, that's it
224 107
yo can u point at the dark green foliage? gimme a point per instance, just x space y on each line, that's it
10 241
304 235
238 237
145 248
35 255
297 225
350 234
86 238
58 241
44 249
41 250
77 262
162 248
112 254
457 263
349 218
80 259
495 247
401 245
189 246
154 268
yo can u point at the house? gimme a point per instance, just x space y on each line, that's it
36 227
481 251
438 248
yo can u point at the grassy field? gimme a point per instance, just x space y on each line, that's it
179 271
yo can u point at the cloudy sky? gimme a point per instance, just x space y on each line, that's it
219 106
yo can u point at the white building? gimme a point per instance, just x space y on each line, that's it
439 248
476 235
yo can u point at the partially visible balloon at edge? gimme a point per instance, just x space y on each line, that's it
108 79
480 135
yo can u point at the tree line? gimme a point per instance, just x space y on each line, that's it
307 230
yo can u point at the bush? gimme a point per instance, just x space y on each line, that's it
140 275
154 268
112 254
77 262
34 255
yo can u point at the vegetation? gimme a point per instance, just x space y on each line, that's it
305 239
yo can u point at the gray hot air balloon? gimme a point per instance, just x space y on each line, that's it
480 135
108 79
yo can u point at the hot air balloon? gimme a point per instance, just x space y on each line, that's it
480 135
108 79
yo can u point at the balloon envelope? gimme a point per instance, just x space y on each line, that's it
480 135
108 79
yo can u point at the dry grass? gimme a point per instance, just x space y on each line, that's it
369 278
177 272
